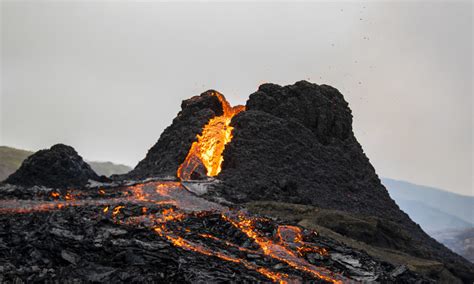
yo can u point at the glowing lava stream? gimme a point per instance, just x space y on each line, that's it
279 252
188 245
207 150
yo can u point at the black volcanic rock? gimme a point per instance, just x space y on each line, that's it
164 158
58 167
86 245
295 144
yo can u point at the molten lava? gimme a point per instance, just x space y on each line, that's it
178 205
207 150
277 251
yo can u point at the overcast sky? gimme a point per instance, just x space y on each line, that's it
107 77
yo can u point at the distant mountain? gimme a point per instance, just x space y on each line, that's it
459 241
431 219
446 216
434 209
11 159
109 168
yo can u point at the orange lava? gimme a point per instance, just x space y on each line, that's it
292 235
117 210
210 144
279 252
171 215
207 151
182 243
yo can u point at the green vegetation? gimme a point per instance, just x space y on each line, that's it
10 160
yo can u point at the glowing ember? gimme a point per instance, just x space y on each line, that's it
210 144
116 210
188 245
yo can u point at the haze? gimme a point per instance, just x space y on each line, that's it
108 77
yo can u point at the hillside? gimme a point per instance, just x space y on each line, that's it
459 241
109 168
11 159
431 219
446 216
433 208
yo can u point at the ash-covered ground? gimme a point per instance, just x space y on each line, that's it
289 153
161 232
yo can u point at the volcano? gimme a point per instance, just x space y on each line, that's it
276 190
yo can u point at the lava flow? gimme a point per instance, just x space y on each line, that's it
166 206
279 251
207 150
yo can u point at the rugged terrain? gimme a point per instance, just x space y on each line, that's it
460 241
295 144
291 145
159 231
11 160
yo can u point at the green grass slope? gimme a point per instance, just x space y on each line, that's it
10 160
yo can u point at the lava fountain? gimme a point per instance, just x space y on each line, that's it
207 150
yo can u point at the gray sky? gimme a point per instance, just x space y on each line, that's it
108 77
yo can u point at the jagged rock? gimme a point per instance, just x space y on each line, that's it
69 256
295 144
58 167
144 256
164 158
